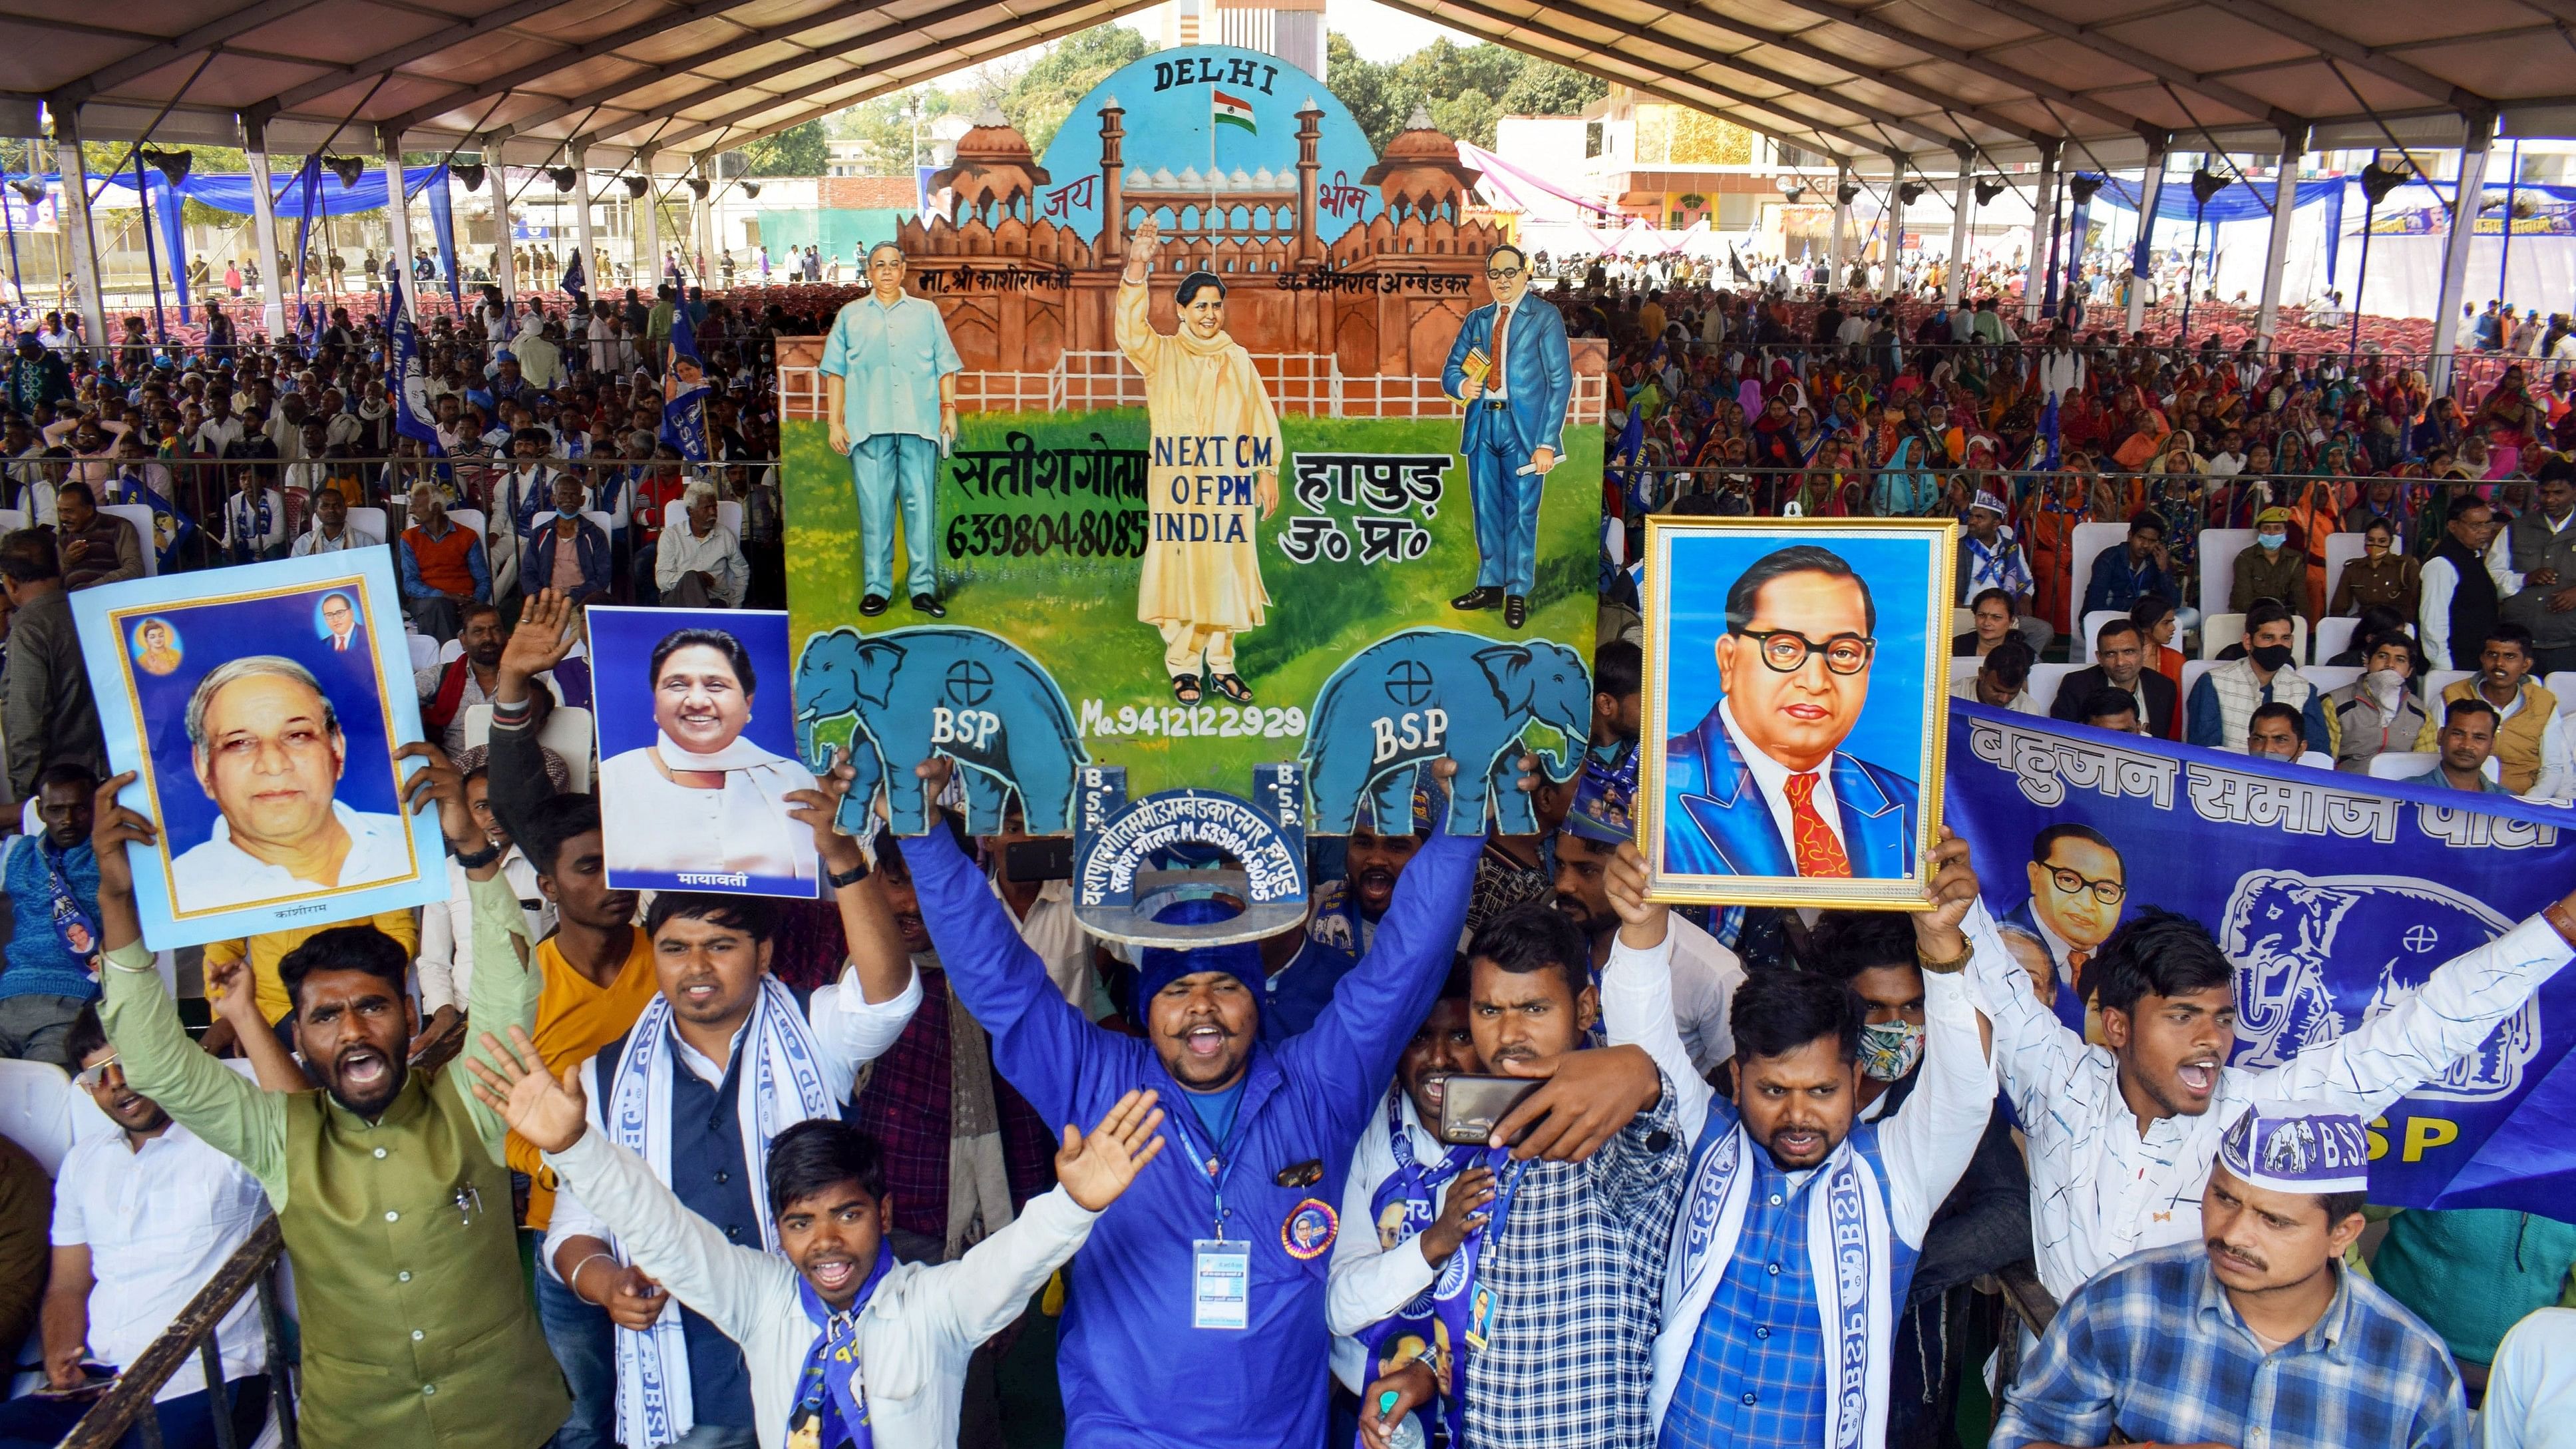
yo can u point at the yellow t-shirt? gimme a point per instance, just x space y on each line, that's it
268 949
575 1018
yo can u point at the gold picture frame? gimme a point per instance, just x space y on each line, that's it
1710 843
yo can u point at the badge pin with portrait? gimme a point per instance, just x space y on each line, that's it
1302 1174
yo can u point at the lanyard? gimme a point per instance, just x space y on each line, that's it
1212 1161
1492 1231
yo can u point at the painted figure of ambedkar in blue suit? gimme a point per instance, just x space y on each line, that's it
1516 396
1761 786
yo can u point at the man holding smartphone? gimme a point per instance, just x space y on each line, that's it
1542 1338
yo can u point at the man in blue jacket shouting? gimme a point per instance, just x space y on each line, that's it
1196 1317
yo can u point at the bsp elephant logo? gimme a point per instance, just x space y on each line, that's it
2316 957
1413 697
941 690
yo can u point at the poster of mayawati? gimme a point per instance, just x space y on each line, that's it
1210 441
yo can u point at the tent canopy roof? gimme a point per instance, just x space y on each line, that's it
1925 79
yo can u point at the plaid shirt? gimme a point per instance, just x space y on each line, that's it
904 1106
1578 1278
1756 1373
2153 1348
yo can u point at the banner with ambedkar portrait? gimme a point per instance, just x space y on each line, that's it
2336 896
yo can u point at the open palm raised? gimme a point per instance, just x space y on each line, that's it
1096 1169
548 1112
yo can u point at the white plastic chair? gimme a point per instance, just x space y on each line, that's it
2093 622
2218 550
424 650
469 519
675 514
2334 635
2406 764
371 519
2220 630
2087 544
2442 679
1962 619
2562 683
36 1100
2217 631
2044 682
1963 669
2328 677
145 541
12 519
2341 549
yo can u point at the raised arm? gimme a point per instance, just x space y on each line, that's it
234 1116
1934 1134
858 1016
2420 1037
1375 1007
503 993
1042 1044
1637 989
2034 1052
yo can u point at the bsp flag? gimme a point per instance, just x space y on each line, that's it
171 527
413 416
2336 896
684 389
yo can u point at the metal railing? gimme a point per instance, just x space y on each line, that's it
1305 384
128 1403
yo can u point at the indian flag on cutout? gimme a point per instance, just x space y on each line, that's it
1228 110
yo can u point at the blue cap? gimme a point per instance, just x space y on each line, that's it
1163 965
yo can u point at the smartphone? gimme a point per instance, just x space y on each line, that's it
1048 857
1471 1106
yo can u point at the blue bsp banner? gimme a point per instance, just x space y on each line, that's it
2335 894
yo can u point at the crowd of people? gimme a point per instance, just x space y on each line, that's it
553 1163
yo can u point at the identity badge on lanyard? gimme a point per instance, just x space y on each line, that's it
1481 1302
1220 1271
72 925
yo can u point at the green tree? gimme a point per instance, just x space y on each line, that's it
1043 96
1468 116
1544 88
1365 88
885 125
800 150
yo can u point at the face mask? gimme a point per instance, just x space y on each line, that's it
2383 683
567 513
1890 1049
2271 541
2270 656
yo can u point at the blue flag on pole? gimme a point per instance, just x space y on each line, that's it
2336 895
171 528
684 390
413 416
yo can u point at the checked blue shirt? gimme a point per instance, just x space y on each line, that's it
1756 1374
2153 1348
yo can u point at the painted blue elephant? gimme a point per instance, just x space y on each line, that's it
1413 697
940 690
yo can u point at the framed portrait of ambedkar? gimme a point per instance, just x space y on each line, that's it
260 707
1796 687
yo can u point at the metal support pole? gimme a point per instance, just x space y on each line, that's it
2455 251
1954 277
87 275
1894 248
505 268
398 222
581 237
2276 255
263 234
2142 256
2043 213
1842 228
647 230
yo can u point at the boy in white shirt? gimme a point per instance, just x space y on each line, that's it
837 1334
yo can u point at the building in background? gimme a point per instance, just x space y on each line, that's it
1292 30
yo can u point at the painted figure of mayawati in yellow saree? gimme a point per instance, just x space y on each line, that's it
1213 476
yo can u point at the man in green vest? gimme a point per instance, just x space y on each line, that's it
389 1185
